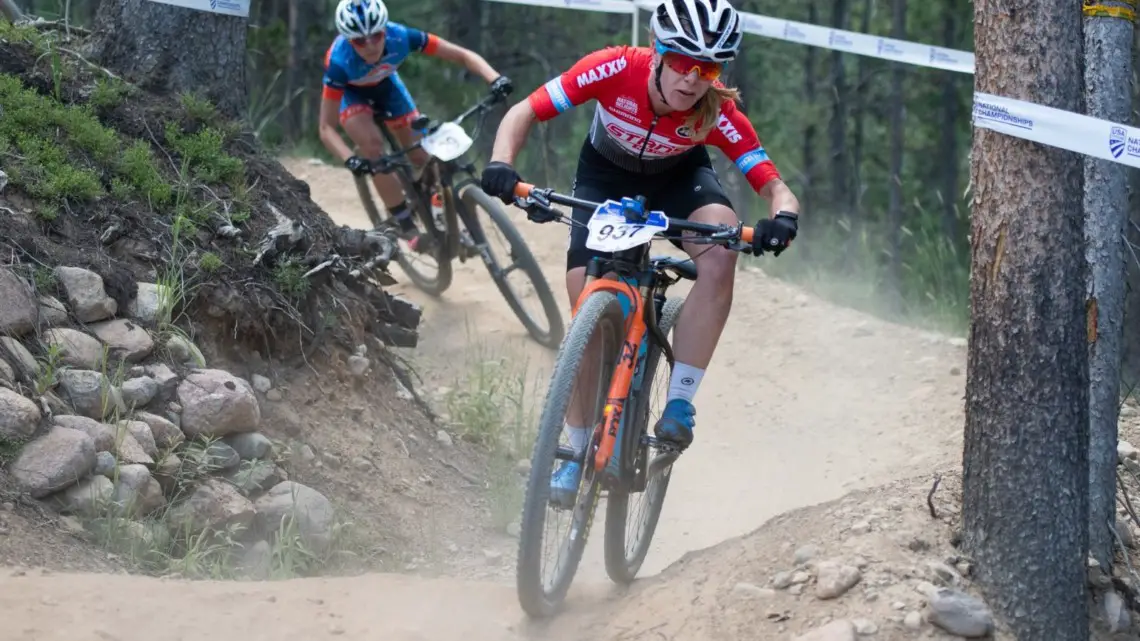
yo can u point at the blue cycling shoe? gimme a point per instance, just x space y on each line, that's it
564 484
676 423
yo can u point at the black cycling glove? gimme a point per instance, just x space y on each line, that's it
775 234
499 179
358 165
501 86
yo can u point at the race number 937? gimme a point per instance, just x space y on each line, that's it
609 232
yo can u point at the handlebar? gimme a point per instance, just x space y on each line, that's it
388 163
713 233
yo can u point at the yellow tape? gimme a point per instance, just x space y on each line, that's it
1103 11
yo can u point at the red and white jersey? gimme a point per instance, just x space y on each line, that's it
625 129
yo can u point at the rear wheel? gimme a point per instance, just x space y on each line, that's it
599 324
629 532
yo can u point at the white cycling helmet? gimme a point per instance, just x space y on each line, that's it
360 18
705 29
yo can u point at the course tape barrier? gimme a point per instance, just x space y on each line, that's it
1026 120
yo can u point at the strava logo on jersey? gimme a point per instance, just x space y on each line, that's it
633 141
604 70
726 128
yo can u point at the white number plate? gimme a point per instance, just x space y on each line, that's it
448 142
611 232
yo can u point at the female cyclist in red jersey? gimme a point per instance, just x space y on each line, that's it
656 109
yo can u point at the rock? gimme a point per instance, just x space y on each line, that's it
805 553
358 365
216 403
444 438
185 352
76 349
865 627
753 590
127 341
800 577
796 589
274 395
7 374
87 498
101 433
166 472
1116 612
912 620
21 360
255 476
257 560
138 392
152 304
957 342
260 383
85 294
54 461
1125 450
1124 531
835 579
250 445
52 312
128 450
312 513
105 464
214 505
782 580
861 527
19 416
19 312
143 436
1097 577
165 377
959 613
136 492
220 456
166 434
90 393
839 630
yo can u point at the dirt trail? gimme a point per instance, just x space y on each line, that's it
803 402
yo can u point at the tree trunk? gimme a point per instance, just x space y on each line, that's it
896 116
808 199
9 10
837 127
1108 92
169 50
1025 459
949 135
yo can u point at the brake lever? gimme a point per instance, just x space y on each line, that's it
537 209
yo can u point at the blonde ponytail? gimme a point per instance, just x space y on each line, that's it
705 116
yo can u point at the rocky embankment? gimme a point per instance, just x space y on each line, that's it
113 417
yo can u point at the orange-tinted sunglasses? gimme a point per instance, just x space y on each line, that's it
685 65
368 40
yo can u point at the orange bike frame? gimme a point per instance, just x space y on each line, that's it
622 379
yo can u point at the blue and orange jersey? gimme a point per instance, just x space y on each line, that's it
345 68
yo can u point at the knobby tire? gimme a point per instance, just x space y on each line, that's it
601 311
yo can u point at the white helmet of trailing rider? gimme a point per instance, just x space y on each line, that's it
704 29
361 18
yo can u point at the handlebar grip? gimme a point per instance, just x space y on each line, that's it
522 190
746 234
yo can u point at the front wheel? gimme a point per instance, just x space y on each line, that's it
520 256
627 539
596 331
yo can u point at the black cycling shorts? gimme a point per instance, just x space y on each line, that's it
678 192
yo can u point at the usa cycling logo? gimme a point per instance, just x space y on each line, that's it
1117 141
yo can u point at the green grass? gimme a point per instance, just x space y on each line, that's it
493 405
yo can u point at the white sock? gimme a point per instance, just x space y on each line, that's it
684 381
578 437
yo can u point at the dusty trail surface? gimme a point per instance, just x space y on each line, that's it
803 403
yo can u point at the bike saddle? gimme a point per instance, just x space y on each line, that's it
683 267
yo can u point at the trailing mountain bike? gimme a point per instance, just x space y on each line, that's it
449 227
622 325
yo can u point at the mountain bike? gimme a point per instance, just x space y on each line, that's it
627 321
453 229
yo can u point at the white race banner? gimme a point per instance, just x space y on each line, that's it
1058 128
238 8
